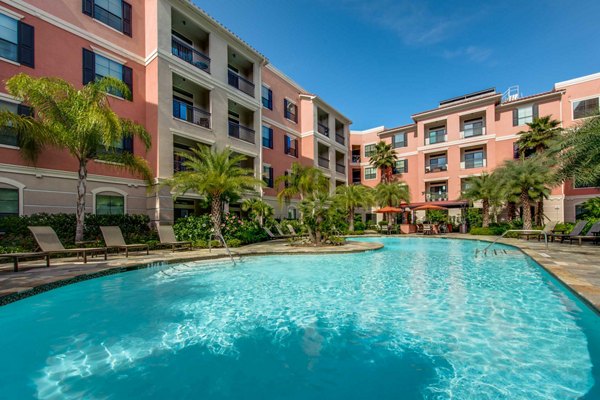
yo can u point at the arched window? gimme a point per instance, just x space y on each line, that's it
11 197
109 201
292 213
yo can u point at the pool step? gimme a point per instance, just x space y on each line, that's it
495 252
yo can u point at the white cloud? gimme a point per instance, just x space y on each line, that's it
472 53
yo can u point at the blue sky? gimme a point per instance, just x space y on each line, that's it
380 61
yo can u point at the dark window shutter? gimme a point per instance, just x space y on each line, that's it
128 80
405 166
87 6
26 47
127 18
24 110
535 111
515 117
128 144
285 108
89 66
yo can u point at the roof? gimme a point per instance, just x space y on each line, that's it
533 96
479 93
575 81
445 109
397 129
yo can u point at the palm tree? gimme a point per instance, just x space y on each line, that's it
315 209
529 179
78 121
484 188
385 159
580 156
301 181
351 197
258 208
216 174
542 132
391 194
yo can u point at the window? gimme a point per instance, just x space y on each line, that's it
465 184
267 98
114 13
401 167
399 140
9 202
268 175
290 146
585 108
369 150
437 163
473 127
370 173
16 41
474 158
525 115
8 136
113 204
437 135
579 212
96 66
292 213
290 110
437 192
267 137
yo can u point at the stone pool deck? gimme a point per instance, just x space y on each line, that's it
576 266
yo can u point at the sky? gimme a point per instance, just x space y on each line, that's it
380 61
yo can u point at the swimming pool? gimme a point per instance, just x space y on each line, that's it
421 318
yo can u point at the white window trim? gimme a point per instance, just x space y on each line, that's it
11 13
297 110
17 185
521 108
573 101
365 174
110 56
109 189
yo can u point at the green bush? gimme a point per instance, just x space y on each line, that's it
234 243
474 217
359 226
492 230
357 232
199 228
215 243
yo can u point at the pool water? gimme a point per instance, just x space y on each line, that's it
421 318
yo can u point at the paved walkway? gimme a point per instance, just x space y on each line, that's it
576 266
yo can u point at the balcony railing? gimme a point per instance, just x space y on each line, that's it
322 129
241 132
356 182
433 139
475 131
340 167
443 196
191 114
340 138
190 55
178 163
240 83
468 164
292 151
323 162
356 158
436 168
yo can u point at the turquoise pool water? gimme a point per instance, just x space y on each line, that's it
422 318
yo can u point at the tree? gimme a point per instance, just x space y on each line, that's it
592 208
391 194
580 155
384 159
484 188
78 121
542 132
216 174
301 181
258 208
529 179
315 209
351 197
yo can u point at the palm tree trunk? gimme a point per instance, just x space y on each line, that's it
81 190
215 214
539 212
351 222
486 213
318 231
510 210
526 203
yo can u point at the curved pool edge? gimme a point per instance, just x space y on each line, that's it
130 264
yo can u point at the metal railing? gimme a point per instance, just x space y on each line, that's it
222 239
240 83
524 231
435 168
341 168
292 151
355 158
190 55
437 138
468 164
186 112
474 131
436 196
322 129
241 132
323 162
340 138
178 163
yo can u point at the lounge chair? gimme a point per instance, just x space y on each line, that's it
548 229
590 235
273 236
292 231
49 242
167 237
113 239
15 257
577 229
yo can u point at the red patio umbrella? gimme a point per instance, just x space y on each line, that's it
389 209
429 207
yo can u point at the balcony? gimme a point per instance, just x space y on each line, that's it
322 129
477 163
190 55
340 138
356 158
435 168
340 167
188 113
435 138
239 82
475 131
436 196
241 132
291 151
323 162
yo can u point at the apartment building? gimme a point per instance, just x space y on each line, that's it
193 82
468 135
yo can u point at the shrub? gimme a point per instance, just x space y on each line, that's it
357 232
492 230
359 226
215 243
234 243
474 217
196 228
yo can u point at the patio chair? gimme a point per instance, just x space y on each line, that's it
292 231
272 236
419 228
15 257
592 234
49 242
113 239
427 229
166 234
577 229
548 229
